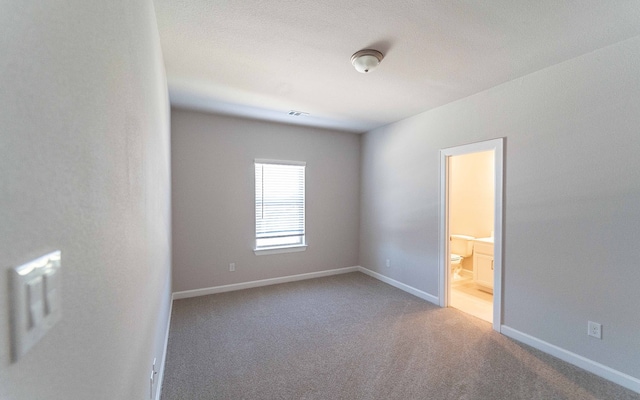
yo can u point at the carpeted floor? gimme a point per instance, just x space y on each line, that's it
353 337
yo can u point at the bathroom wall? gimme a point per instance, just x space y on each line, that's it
471 192
571 199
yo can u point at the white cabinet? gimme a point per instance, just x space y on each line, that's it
483 263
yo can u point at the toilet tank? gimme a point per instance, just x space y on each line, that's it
461 245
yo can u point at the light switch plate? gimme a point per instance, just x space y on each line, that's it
35 301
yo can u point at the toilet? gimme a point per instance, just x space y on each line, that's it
460 246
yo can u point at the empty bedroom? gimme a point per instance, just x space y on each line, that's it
319 200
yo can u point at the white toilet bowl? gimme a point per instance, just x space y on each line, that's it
461 246
456 266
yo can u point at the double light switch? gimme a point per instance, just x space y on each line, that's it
35 301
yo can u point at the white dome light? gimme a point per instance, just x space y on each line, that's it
366 60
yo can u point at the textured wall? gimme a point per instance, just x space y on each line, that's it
571 206
213 198
84 155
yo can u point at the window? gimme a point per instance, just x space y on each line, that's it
280 207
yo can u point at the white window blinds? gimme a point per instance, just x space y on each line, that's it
280 203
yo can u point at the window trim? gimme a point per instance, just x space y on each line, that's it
278 249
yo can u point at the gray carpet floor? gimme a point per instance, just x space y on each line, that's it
353 337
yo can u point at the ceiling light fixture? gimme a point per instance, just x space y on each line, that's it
366 60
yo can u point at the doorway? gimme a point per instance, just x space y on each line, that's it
472 281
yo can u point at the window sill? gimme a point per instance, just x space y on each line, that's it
278 250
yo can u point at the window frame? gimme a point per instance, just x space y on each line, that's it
301 245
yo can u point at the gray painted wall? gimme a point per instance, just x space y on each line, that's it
213 198
572 196
84 161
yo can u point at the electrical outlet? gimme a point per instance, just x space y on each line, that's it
152 378
594 329
151 386
388 263
232 267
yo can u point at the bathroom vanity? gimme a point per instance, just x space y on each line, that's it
483 262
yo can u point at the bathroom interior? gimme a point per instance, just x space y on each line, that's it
471 207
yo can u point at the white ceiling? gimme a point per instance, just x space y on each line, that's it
261 59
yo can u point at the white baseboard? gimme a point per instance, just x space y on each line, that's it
164 354
409 289
601 370
264 282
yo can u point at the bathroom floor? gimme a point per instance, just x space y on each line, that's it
467 296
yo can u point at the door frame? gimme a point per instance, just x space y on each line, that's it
497 145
